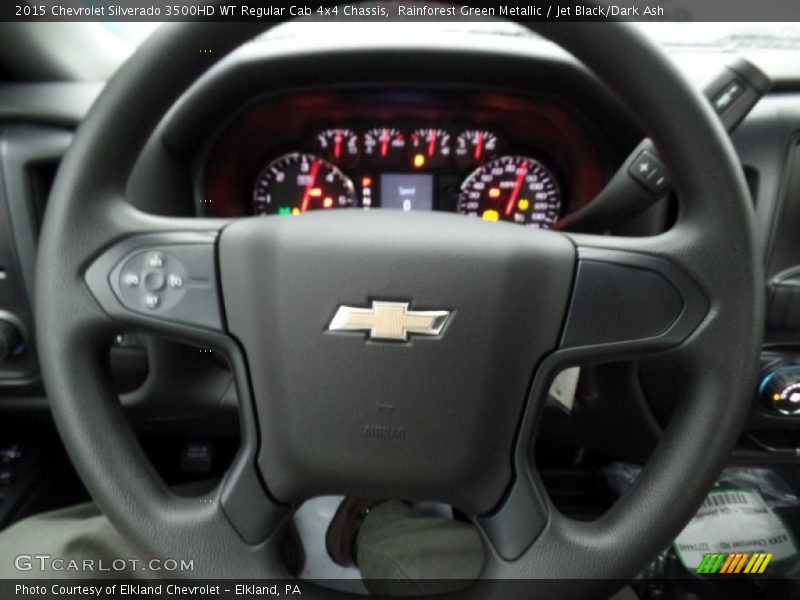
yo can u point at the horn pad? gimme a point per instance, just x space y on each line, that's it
391 353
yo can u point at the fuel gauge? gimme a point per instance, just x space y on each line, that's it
339 146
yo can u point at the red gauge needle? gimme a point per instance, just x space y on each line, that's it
431 143
479 147
337 148
312 179
512 200
384 143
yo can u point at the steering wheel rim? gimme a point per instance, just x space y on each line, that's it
713 244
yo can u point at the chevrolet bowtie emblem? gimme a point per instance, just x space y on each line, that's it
389 320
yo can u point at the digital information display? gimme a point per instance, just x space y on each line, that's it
404 191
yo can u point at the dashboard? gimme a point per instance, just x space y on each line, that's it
465 107
488 155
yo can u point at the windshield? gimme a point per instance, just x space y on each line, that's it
720 36
714 36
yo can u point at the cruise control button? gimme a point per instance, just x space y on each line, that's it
175 282
650 172
152 301
131 279
154 280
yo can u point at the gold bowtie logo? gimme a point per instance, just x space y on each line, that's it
389 320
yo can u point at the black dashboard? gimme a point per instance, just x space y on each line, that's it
385 132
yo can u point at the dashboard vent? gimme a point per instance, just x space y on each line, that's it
40 179
29 157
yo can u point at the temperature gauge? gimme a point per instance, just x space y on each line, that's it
339 146
385 145
474 146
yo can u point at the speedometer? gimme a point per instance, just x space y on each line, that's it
512 188
296 183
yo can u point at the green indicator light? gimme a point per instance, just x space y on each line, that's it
284 210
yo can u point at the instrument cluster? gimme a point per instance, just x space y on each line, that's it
486 155
416 168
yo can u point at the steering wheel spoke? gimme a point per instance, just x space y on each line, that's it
630 298
163 282
627 304
161 277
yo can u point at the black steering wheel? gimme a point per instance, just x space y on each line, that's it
513 308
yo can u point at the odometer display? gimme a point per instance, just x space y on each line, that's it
296 183
512 188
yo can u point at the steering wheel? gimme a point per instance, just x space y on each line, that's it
332 406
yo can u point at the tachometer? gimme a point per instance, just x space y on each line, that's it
296 183
512 188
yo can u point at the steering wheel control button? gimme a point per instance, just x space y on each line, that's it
650 172
780 390
167 277
155 260
152 291
154 281
175 282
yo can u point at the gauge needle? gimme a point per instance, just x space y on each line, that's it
384 143
431 143
312 178
512 200
337 148
479 147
